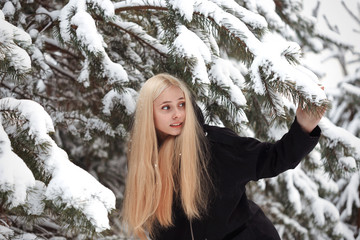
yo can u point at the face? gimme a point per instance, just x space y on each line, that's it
169 112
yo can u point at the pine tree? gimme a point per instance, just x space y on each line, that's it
345 113
242 59
38 183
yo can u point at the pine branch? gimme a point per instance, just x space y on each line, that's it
139 39
227 34
350 12
23 145
140 8
289 90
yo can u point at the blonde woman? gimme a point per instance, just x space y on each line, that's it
186 180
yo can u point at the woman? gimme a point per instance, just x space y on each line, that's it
186 180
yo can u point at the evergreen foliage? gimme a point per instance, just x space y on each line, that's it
241 59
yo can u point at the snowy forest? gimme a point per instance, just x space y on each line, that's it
69 76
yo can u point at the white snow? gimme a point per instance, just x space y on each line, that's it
323 209
139 31
35 197
287 221
267 8
225 74
105 5
269 53
15 177
41 123
87 33
40 86
88 36
69 184
228 21
134 3
277 131
77 188
127 98
5 232
348 162
189 45
319 175
27 236
271 58
344 230
333 36
186 8
350 196
293 193
338 135
251 18
53 14
84 74
351 89
114 71
297 181
8 9
17 56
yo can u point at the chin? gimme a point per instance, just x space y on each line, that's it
176 134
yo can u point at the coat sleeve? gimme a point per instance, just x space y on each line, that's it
270 159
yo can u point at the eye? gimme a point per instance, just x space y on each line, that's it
182 104
165 107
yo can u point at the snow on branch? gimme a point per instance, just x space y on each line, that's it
288 221
12 42
15 177
267 8
350 196
320 208
273 55
126 98
185 8
224 74
126 5
275 62
93 123
69 184
333 37
104 6
189 46
337 135
253 19
137 31
233 24
74 16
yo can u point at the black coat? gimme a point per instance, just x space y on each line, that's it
234 162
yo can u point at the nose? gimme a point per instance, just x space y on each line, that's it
177 114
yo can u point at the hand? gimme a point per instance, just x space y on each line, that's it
306 119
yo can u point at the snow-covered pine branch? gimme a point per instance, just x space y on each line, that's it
69 186
15 177
14 59
77 23
138 32
245 61
342 149
269 62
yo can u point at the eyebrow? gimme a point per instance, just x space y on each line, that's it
165 102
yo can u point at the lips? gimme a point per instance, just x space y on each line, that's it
176 125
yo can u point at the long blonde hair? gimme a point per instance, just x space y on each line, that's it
156 172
